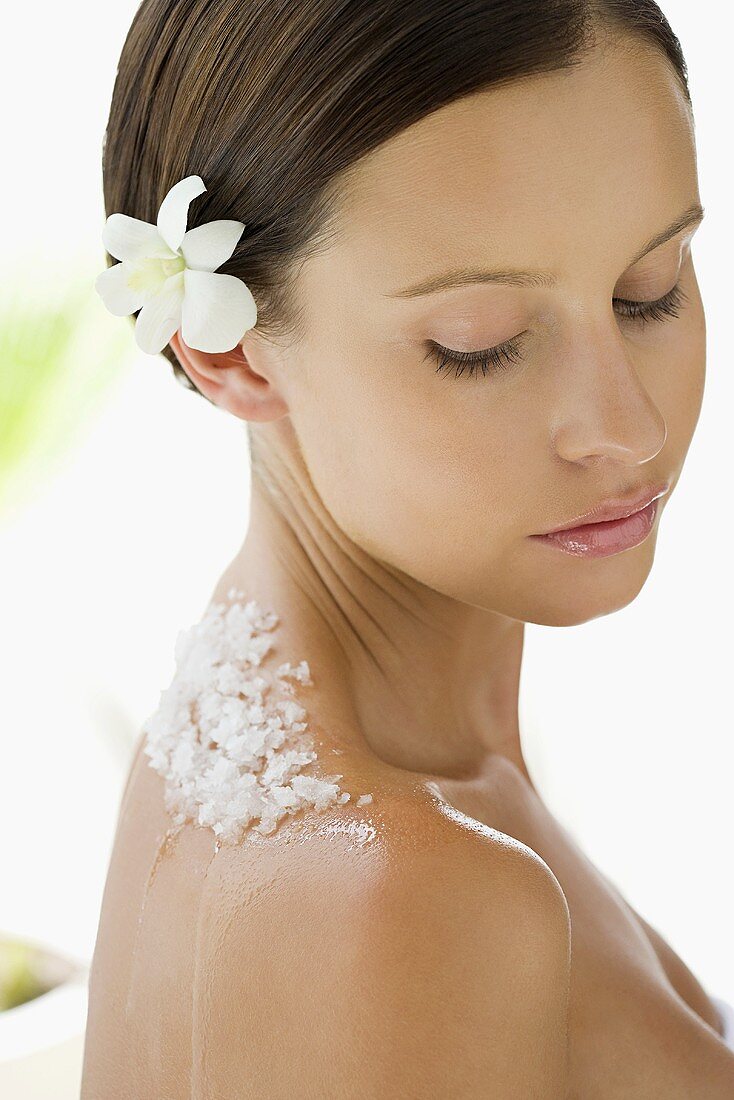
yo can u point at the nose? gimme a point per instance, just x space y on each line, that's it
605 411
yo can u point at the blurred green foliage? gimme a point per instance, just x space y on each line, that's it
20 980
60 350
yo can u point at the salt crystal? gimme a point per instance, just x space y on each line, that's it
364 799
228 738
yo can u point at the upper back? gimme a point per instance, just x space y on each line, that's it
378 950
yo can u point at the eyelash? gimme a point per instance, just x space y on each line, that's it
505 355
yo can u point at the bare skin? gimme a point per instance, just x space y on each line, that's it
390 533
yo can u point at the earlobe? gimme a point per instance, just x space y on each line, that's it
229 380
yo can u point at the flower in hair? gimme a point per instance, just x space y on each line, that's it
169 274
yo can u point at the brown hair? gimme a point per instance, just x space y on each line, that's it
272 101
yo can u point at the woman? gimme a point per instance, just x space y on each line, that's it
467 230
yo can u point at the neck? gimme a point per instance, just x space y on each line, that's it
420 680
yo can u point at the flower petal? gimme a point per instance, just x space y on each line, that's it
114 288
217 311
128 238
174 210
208 246
160 317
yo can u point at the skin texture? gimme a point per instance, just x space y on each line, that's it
405 496
390 511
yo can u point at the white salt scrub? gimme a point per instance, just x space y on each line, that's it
229 737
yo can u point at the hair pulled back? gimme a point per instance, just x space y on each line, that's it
273 101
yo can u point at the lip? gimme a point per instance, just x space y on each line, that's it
616 507
598 540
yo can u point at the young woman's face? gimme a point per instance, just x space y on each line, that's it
444 474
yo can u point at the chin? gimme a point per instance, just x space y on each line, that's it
581 589
564 590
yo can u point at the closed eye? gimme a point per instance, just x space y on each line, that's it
503 356
659 310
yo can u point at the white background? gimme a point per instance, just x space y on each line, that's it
627 720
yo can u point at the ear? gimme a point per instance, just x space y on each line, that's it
229 379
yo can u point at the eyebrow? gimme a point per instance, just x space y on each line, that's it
515 277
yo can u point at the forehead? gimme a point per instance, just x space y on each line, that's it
526 170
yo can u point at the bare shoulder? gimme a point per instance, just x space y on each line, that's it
385 951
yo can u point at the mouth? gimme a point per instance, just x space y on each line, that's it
614 525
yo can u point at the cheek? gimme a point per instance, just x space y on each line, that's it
679 384
422 473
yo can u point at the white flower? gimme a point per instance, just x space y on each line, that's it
169 275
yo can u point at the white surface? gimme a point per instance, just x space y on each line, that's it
54 1073
53 1018
42 1041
